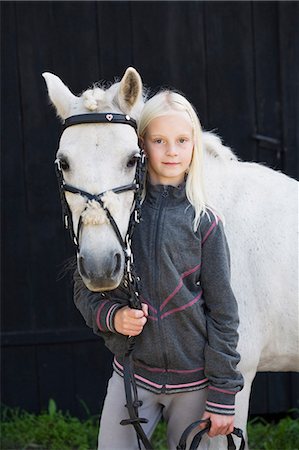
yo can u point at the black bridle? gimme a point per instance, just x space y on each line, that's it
135 186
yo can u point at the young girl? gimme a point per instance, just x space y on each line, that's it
185 354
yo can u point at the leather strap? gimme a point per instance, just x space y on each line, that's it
99 118
133 403
183 441
197 438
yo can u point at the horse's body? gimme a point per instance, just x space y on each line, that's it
260 210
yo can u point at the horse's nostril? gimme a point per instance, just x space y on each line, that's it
117 264
81 267
92 270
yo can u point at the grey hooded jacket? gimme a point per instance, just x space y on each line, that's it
189 341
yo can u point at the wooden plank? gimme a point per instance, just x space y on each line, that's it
47 239
267 82
74 43
259 395
289 62
49 336
150 34
114 41
19 383
279 388
55 376
174 58
75 376
294 393
230 74
266 46
274 393
16 293
92 369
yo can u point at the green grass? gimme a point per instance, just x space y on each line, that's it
283 435
54 430
262 435
50 430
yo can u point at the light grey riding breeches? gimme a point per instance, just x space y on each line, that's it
178 411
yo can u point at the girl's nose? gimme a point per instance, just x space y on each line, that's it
172 150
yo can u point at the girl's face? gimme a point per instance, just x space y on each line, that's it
168 145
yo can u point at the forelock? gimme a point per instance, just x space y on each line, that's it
101 97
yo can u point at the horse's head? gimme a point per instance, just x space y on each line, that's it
96 158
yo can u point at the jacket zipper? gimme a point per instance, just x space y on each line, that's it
162 200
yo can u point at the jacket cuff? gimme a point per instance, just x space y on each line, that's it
220 401
105 315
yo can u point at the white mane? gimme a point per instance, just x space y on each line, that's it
213 145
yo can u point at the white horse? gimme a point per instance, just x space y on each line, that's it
259 205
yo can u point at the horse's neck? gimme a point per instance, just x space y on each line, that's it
218 185
219 162
247 189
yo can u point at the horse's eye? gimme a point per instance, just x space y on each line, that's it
64 164
132 161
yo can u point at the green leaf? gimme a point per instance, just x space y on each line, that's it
52 409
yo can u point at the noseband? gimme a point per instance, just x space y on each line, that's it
135 186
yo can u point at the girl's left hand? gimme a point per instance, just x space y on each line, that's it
220 424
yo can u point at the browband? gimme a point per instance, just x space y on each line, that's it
99 118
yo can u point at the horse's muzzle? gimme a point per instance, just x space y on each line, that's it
101 275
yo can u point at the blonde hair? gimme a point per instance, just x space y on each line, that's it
166 102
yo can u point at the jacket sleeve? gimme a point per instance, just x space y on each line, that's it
221 356
98 309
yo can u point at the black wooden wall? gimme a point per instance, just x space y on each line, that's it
237 62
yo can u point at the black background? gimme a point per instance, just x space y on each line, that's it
236 61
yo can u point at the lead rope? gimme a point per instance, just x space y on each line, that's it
132 401
197 438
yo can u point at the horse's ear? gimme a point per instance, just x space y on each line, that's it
59 94
130 90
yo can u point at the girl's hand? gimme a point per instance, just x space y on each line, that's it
130 322
220 424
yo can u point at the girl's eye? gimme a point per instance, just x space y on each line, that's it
158 141
182 140
64 164
132 161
